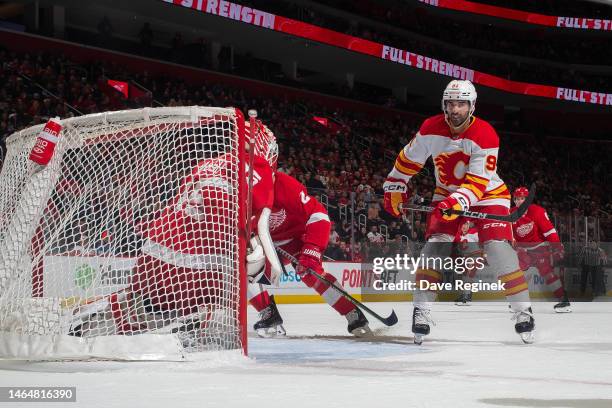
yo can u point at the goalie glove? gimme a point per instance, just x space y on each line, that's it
397 194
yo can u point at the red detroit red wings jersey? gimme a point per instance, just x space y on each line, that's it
534 226
196 221
296 215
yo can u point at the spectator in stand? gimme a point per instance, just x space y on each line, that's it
334 237
335 252
375 237
313 184
358 252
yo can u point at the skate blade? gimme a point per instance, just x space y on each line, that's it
463 303
271 332
418 338
362 331
528 337
566 309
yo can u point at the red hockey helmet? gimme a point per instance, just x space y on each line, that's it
521 192
265 143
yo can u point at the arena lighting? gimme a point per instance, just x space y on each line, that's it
273 22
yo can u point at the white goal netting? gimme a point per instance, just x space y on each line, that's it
127 245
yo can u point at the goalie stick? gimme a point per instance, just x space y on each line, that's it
514 217
388 321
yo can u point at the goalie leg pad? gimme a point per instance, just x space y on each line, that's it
256 260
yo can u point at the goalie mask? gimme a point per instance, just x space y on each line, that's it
459 90
265 143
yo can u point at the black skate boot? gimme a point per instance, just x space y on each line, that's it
270 322
465 299
525 325
563 306
357 323
421 319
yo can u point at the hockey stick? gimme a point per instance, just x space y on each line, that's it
514 217
388 321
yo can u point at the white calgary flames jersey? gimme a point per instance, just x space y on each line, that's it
464 163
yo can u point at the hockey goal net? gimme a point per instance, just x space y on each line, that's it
128 244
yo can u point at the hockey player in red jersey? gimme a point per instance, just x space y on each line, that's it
189 248
539 246
464 150
299 224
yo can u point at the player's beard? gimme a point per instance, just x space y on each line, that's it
457 119
457 123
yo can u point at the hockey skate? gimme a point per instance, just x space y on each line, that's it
563 306
270 322
525 325
465 299
421 319
357 323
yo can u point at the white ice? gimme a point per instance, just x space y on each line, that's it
472 358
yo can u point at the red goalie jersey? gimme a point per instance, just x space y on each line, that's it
189 244
197 219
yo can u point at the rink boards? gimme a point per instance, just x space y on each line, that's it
79 274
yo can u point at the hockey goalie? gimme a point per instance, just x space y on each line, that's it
179 275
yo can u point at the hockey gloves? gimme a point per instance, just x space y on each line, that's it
397 194
310 258
452 202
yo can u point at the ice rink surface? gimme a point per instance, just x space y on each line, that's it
473 358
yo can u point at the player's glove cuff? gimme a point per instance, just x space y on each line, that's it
397 194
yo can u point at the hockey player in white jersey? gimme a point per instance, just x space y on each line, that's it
464 150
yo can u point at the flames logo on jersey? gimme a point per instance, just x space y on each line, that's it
525 229
277 218
451 167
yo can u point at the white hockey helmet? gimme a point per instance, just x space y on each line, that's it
265 143
460 90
